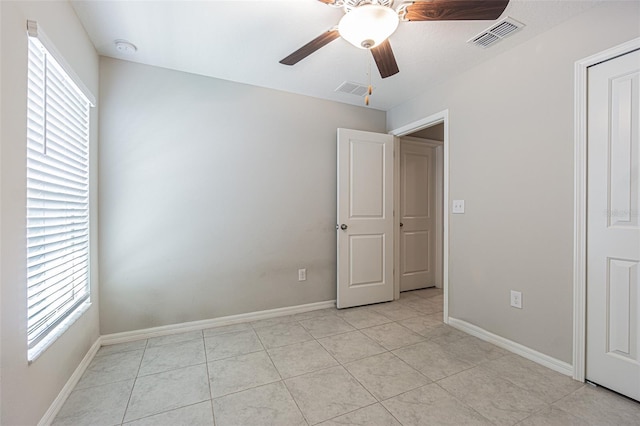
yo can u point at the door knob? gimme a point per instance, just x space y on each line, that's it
401 224
343 227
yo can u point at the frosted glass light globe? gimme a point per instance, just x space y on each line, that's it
369 25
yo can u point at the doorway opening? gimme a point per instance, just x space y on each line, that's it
421 182
420 212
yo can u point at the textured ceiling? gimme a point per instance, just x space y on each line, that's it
243 41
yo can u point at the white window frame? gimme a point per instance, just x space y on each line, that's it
58 185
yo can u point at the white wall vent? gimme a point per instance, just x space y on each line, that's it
503 28
351 88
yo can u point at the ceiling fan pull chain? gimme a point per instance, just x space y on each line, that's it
370 89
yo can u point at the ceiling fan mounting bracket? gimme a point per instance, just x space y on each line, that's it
402 10
349 5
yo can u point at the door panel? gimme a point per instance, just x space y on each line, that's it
416 171
613 234
417 215
623 167
416 245
620 313
367 173
366 253
365 218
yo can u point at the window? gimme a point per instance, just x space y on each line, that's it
57 197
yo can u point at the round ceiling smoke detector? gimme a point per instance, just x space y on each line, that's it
125 47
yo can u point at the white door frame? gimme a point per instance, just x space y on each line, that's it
432 120
580 201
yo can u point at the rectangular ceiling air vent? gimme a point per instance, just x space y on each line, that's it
351 88
496 32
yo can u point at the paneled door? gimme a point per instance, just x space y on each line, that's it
613 228
365 218
417 215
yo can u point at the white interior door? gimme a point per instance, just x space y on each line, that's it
417 215
613 228
365 218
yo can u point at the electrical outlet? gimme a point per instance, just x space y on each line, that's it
302 274
458 207
516 299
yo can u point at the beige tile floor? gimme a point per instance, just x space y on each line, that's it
389 364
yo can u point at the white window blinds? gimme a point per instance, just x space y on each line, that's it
57 195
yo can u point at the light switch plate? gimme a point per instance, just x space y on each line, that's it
458 207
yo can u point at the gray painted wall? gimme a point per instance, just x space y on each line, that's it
212 195
28 390
511 159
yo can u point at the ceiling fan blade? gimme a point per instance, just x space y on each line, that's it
456 10
312 46
328 1
385 60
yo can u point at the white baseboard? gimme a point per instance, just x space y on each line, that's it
511 346
129 336
57 404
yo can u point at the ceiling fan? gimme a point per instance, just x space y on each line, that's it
367 24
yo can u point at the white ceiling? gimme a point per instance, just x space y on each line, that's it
243 41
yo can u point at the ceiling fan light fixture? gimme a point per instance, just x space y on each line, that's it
368 25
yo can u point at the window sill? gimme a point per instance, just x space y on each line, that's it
35 352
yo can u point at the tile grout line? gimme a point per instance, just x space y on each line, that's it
174 343
377 401
462 402
233 356
282 380
390 413
163 412
206 363
536 412
295 402
414 369
343 365
486 370
339 364
174 369
353 411
315 339
124 415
